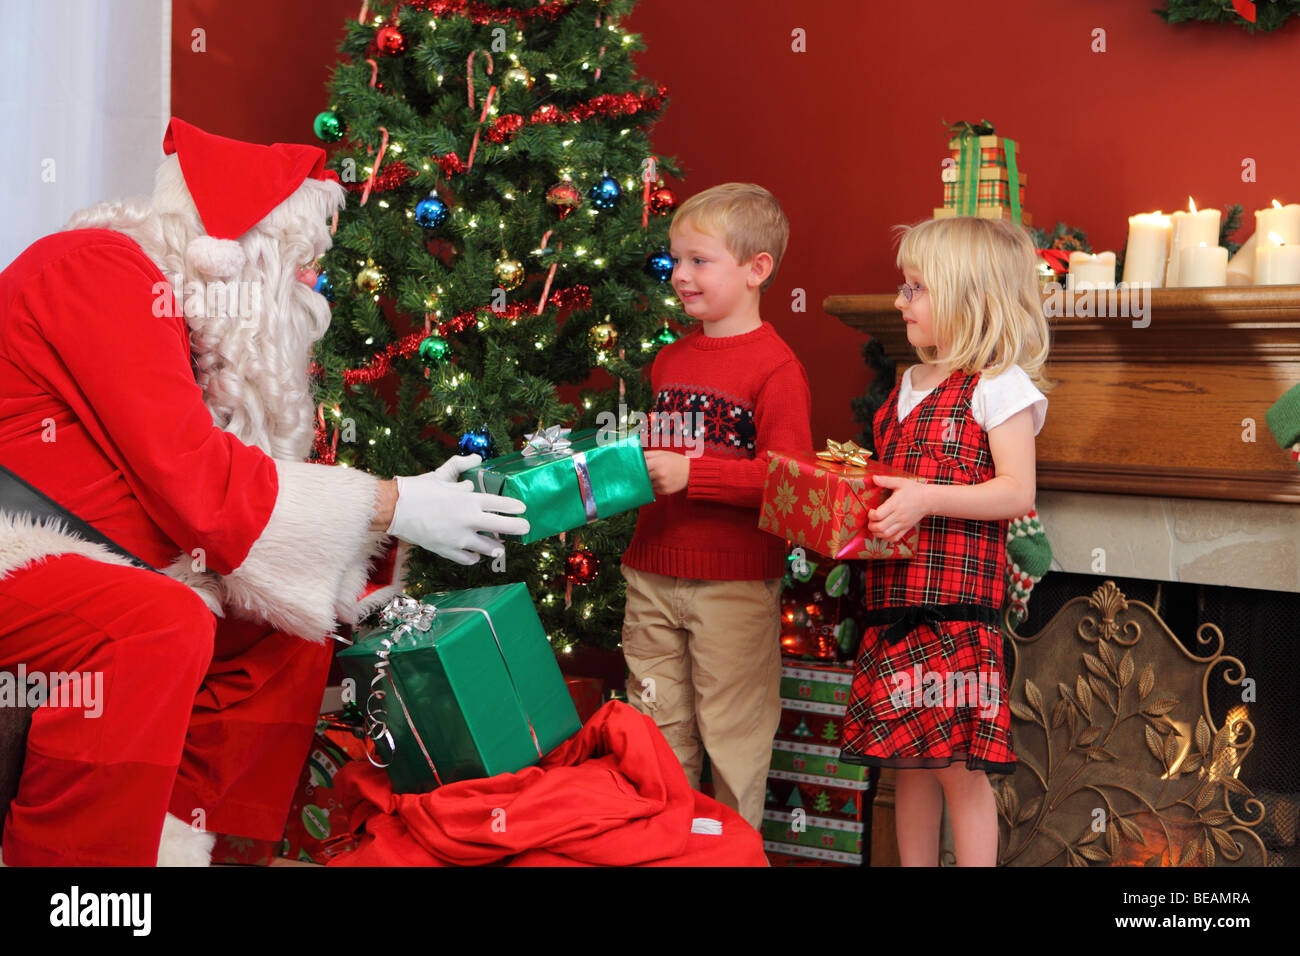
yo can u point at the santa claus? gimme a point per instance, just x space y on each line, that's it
173 424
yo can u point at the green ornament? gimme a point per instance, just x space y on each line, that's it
434 351
328 126
665 336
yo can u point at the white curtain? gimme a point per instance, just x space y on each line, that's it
83 110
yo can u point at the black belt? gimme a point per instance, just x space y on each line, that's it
903 620
18 497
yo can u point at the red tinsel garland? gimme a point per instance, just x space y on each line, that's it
482 13
506 127
607 104
578 296
394 175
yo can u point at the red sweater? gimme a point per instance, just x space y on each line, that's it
741 395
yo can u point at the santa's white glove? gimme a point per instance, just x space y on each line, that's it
453 468
451 519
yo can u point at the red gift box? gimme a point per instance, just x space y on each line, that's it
822 504
317 828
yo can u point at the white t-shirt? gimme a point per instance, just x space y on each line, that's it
994 400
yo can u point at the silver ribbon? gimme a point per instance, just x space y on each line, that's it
403 614
547 441
585 487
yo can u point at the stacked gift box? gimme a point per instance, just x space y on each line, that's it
983 178
816 807
817 598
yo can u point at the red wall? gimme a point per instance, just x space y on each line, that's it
848 135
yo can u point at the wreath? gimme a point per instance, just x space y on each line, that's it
1265 15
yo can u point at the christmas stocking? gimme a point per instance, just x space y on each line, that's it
1029 555
1284 422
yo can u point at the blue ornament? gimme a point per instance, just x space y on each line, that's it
324 286
660 265
606 193
478 442
431 212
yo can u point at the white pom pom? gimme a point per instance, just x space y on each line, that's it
219 258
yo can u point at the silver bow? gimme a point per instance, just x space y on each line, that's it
552 440
404 613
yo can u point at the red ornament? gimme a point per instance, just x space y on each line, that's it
390 42
662 201
581 566
565 197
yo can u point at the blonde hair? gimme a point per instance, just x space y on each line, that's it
981 276
746 217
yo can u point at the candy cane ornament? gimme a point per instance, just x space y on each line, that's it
550 275
487 102
374 170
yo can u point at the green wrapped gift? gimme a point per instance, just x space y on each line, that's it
462 684
568 481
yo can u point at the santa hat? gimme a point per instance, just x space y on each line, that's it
235 185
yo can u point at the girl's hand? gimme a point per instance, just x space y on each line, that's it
908 504
669 471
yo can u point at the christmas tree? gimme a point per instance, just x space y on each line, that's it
502 261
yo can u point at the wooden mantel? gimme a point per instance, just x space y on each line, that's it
1164 409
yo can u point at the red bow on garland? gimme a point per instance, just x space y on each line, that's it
1245 9
1058 259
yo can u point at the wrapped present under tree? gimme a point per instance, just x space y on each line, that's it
463 684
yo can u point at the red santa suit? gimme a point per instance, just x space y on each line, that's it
213 672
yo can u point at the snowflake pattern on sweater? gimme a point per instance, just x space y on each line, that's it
722 422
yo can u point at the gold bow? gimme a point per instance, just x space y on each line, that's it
845 453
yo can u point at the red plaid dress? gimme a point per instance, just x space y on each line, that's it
940 694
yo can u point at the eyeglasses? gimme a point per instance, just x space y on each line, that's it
907 291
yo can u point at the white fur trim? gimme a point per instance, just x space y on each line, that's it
316 547
218 258
24 540
182 845
351 608
206 584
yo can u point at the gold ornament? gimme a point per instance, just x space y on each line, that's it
509 273
370 278
603 336
517 74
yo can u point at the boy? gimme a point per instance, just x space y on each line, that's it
701 632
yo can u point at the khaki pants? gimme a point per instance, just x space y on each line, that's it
704 660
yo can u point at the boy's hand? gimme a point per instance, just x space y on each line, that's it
669 471
907 505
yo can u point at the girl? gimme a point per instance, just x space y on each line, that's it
929 694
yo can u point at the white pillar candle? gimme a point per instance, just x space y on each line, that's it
1280 219
1089 271
1191 228
1277 263
1147 249
1241 267
1202 265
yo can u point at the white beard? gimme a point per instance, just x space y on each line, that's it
254 368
